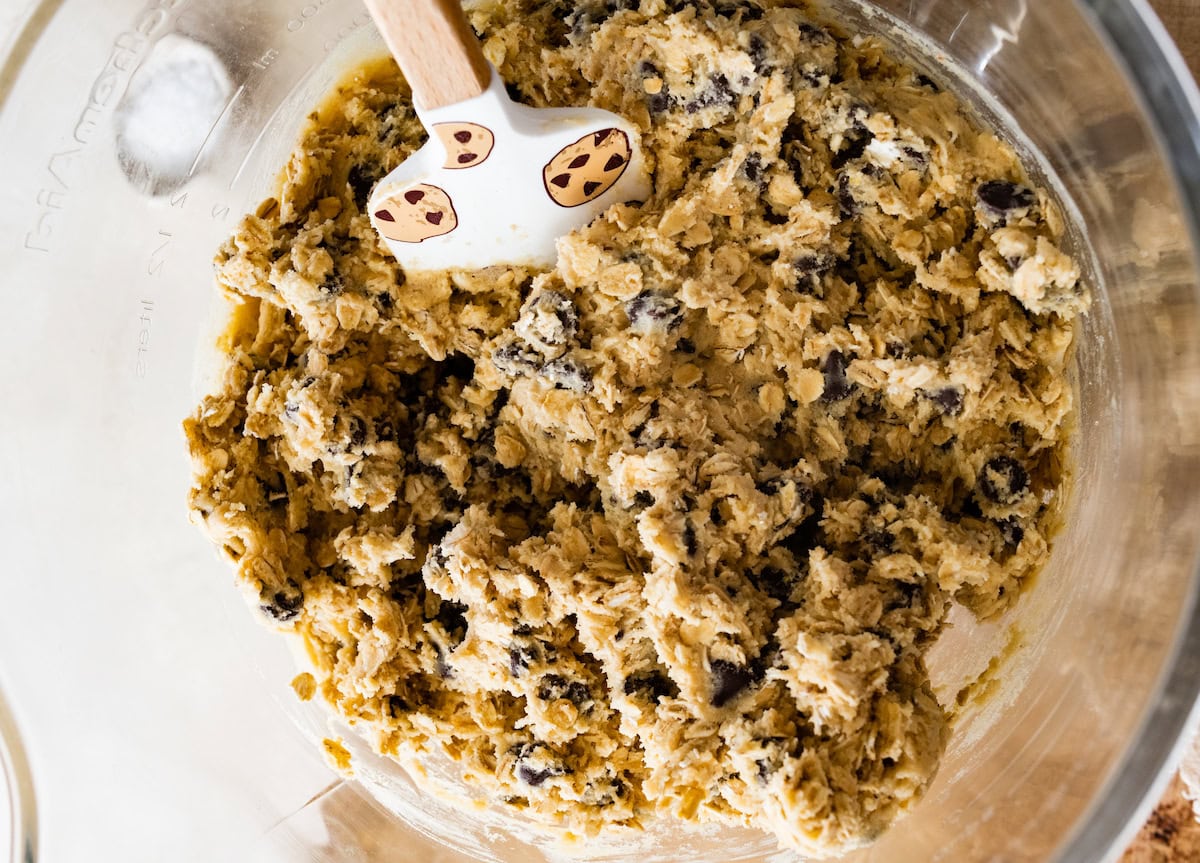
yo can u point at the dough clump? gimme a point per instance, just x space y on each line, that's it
669 529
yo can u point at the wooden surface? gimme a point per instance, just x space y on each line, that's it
1182 18
435 47
1172 834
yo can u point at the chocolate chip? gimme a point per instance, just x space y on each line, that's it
521 657
652 686
718 92
553 687
467 158
752 167
284 605
651 311
361 181
579 161
433 218
590 186
949 400
685 346
414 196
846 202
398 705
561 180
813 264
565 373
384 216
462 137
1002 480
728 680
603 135
615 161
758 55
333 285
896 350
837 385
689 540
1000 198
643 498
1011 532
513 359
453 619
358 431
879 541
531 776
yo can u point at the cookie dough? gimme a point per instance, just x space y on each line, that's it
669 529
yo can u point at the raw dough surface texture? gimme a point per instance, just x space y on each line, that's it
669 529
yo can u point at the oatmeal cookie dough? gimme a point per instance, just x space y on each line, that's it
668 529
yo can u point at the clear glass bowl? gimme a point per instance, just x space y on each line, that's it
143 713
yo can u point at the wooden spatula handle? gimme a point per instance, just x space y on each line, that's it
435 47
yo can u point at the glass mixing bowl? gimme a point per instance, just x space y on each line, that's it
142 711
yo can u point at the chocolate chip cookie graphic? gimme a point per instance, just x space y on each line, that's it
467 144
585 170
416 214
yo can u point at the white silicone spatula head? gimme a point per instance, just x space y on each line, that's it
498 182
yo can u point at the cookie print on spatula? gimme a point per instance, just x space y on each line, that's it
499 182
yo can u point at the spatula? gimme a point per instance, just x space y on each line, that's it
497 182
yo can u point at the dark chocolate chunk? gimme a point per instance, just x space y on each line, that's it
1011 532
384 216
561 180
520 657
358 431
689 539
579 161
553 687
949 400
728 680
879 541
361 181
1002 480
652 311
513 359
565 373
896 350
1001 199
837 385
718 92
453 618
752 167
757 50
433 218
643 498
284 605
414 196
615 161
652 686
462 137
467 158
398 705
590 187
458 366
532 776
846 202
